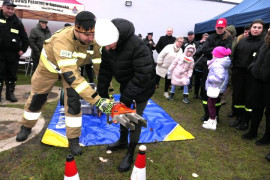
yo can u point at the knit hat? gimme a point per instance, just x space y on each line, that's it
221 52
231 30
222 22
85 22
106 32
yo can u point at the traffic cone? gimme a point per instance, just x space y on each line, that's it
139 170
71 172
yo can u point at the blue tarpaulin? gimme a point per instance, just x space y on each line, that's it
96 131
239 16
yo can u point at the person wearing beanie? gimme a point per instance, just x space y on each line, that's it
232 31
123 56
244 53
235 42
181 70
220 38
217 80
38 35
62 55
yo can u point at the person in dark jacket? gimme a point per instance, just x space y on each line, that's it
220 38
189 40
150 42
260 96
162 43
244 53
126 57
165 40
198 69
13 43
38 35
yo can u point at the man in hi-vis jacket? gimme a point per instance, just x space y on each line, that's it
62 55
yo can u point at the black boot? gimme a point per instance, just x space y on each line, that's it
1 88
243 125
205 117
265 140
254 125
245 122
74 146
128 159
122 143
171 96
239 118
10 91
23 134
185 100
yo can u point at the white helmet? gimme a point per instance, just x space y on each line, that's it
106 32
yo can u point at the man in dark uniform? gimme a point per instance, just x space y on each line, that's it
150 42
13 43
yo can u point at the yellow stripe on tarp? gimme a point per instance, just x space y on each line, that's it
52 138
178 133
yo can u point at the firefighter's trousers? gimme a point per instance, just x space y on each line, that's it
42 83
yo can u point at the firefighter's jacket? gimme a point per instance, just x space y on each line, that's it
64 54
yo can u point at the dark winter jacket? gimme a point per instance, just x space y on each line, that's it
164 41
198 57
211 42
132 65
149 45
186 43
261 66
246 50
37 38
13 36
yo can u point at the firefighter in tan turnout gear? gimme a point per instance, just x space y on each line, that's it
62 55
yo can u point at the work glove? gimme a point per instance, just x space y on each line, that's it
105 105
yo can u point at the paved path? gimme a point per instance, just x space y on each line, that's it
9 125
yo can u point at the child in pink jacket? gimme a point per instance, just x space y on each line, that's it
181 71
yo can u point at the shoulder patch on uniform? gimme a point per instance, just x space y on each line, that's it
65 53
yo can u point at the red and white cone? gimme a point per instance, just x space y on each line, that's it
71 172
139 170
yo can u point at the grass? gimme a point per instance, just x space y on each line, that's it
220 154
